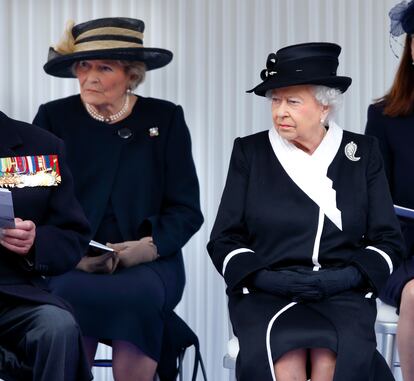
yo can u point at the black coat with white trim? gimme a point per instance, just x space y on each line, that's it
265 220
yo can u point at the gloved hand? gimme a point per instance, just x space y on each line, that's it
332 281
132 253
307 285
102 264
287 283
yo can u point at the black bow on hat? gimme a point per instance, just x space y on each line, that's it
312 63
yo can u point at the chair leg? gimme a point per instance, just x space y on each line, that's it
203 370
388 341
180 366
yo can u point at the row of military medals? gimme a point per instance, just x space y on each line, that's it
29 171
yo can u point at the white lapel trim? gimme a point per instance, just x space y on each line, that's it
309 172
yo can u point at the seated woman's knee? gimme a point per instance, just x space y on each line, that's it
291 364
408 292
323 360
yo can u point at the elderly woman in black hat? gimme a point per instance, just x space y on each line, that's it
135 178
391 120
306 233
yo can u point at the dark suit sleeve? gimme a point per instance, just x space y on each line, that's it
64 234
180 216
229 243
376 127
384 244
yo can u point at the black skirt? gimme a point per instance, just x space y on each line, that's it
391 293
268 326
128 305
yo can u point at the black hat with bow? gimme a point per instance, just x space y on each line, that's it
312 63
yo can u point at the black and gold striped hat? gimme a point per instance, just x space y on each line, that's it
112 38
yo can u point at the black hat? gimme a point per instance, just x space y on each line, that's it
402 18
312 63
113 38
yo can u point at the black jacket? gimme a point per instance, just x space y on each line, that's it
149 178
62 231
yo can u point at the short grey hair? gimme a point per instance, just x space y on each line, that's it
136 69
325 96
328 96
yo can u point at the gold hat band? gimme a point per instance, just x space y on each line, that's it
106 44
110 31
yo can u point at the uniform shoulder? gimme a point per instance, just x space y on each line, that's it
29 133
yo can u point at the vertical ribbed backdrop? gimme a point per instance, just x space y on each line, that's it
220 47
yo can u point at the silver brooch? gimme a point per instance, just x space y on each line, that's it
350 150
153 131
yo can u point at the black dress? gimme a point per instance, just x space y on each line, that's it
284 209
395 136
129 188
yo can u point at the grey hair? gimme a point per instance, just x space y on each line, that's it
328 96
325 96
136 69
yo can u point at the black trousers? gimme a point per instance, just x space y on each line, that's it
40 342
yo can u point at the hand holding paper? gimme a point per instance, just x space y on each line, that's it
21 238
6 209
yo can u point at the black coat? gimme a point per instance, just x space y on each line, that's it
150 181
265 220
395 136
263 210
62 231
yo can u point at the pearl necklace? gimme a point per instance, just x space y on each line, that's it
111 118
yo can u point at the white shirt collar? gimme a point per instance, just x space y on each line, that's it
309 172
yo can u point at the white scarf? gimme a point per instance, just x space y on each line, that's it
309 172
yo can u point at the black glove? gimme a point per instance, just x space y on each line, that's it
286 283
307 285
332 281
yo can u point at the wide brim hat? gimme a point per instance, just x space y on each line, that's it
313 63
113 38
